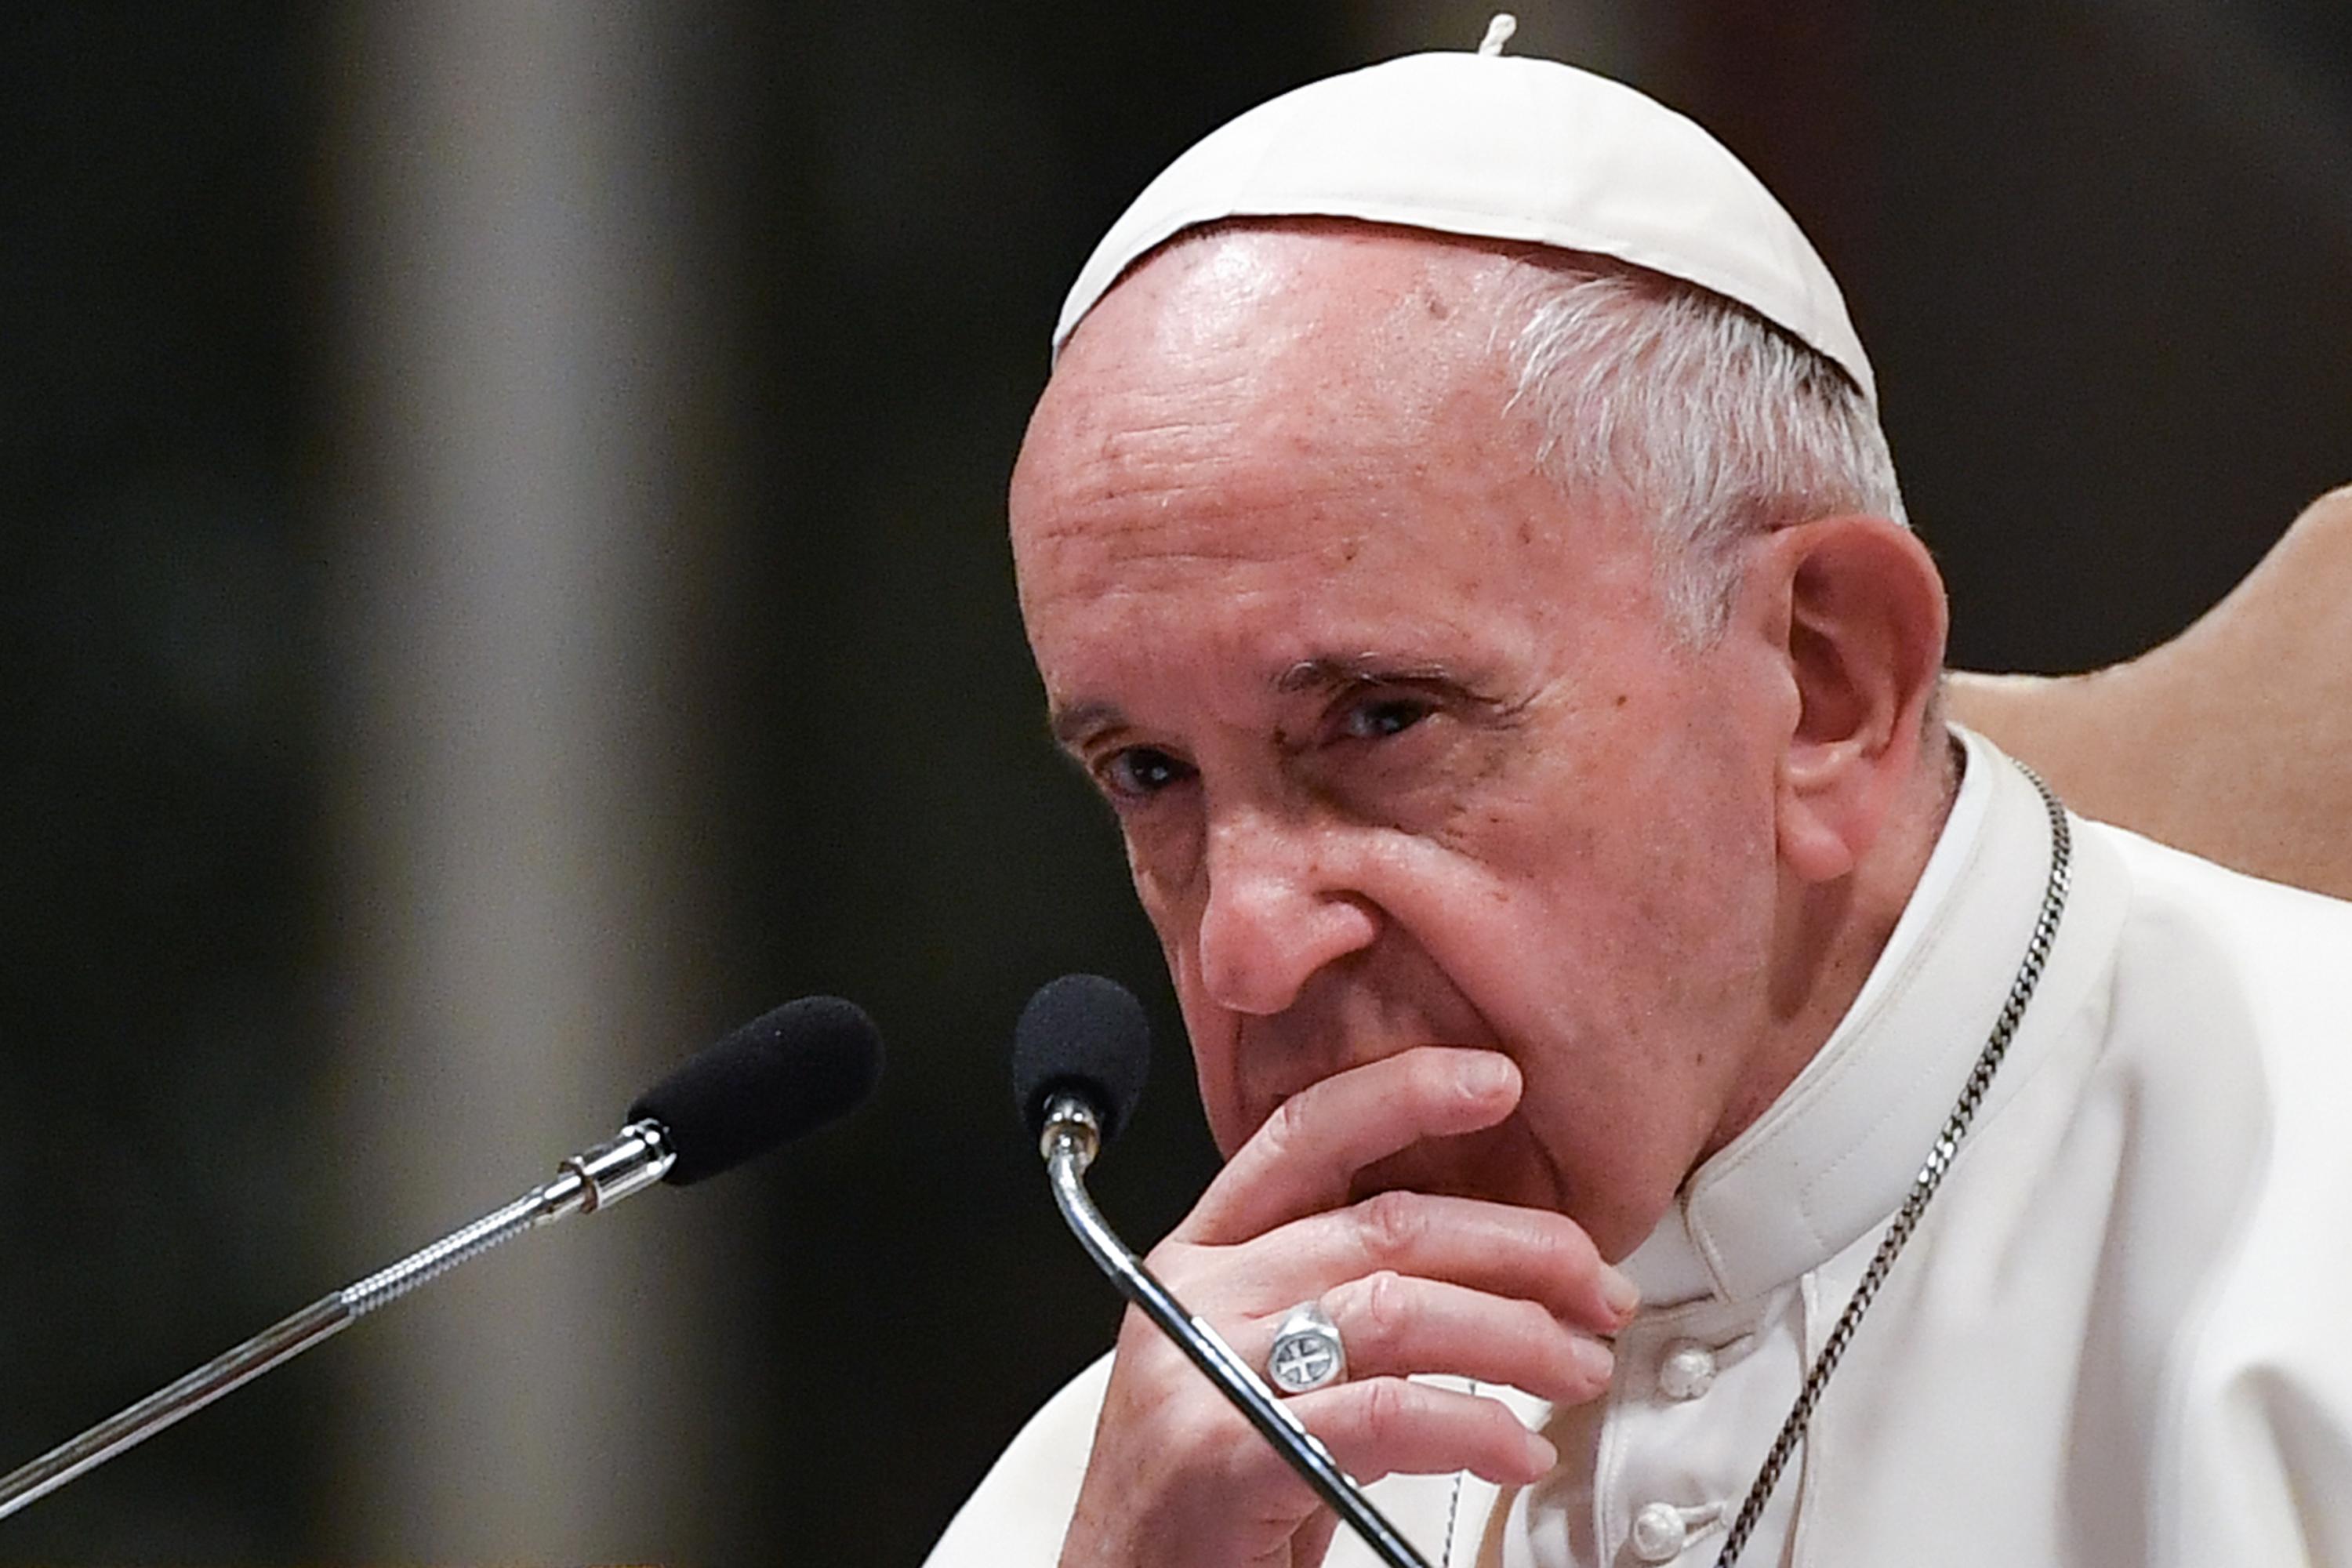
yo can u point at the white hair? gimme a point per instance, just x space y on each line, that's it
1711 422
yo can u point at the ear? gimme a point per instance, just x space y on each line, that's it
1855 608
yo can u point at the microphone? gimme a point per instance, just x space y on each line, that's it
780 1077
1080 1054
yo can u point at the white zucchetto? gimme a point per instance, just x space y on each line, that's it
1497 147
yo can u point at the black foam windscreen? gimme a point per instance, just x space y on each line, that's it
781 1076
1081 1035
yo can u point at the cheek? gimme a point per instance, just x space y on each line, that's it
1214 1038
1160 865
1163 852
1612 897
1689 874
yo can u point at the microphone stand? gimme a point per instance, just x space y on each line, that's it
1072 1138
588 1181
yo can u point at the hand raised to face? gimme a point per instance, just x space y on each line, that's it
1417 1284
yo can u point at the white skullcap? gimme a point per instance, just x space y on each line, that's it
1504 148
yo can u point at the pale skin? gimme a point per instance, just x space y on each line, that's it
1493 907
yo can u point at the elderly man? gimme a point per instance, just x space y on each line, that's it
1457 540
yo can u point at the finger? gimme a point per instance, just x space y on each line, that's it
1310 1148
1394 1326
1502 1249
1389 1426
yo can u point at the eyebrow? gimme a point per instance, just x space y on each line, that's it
1329 672
1071 725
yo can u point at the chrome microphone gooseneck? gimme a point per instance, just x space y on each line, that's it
589 1181
1072 1137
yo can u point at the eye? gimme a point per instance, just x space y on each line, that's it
1378 718
1139 773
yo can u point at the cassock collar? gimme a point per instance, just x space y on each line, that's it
1832 1157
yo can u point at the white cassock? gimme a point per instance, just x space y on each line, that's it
2123 1334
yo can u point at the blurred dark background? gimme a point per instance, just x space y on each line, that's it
500 576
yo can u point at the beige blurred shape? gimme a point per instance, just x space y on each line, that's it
2233 740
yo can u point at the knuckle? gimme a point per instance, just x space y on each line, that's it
1388 1409
1390 1223
1561 1240
1496 1428
1381 1310
1283 1128
1533 1323
1571 1263
1177 1265
1573 1248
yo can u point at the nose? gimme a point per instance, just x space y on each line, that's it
1279 908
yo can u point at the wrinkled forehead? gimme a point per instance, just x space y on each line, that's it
1262 412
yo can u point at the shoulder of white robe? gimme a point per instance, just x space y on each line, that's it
1022 1507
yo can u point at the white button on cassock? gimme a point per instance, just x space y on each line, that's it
1659 1532
1686 1369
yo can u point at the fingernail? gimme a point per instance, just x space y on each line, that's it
1595 1359
1487 1074
1541 1455
1622 1294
